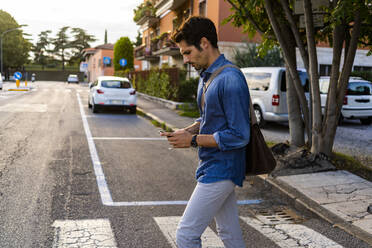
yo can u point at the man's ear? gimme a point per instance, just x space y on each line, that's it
204 43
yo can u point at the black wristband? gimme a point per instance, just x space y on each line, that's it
193 141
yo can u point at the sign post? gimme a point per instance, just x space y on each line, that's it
17 75
123 62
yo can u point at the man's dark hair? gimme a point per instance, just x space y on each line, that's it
195 28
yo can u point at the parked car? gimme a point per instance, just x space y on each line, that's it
267 86
115 92
72 78
357 102
1 82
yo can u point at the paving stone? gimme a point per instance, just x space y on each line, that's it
351 210
365 224
339 193
322 179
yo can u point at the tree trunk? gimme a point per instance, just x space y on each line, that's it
330 133
284 44
296 125
314 78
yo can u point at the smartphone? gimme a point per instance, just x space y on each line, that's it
162 131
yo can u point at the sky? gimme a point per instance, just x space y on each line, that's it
93 16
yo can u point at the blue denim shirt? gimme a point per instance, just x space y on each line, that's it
226 116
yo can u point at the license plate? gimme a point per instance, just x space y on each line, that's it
118 102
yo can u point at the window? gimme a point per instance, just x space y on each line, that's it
359 89
303 77
116 84
258 80
362 68
203 8
325 70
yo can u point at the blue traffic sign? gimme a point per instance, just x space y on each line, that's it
17 75
106 60
123 62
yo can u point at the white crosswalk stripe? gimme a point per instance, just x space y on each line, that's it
83 233
291 235
168 226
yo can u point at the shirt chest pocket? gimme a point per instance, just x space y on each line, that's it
213 107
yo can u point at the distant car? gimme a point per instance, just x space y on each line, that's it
112 92
1 82
72 78
357 102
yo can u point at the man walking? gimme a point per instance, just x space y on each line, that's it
221 134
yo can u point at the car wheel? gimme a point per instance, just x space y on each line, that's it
367 121
94 108
133 110
260 120
340 120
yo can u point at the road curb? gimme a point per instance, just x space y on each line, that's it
304 203
150 116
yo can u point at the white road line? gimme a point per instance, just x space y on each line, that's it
291 235
83 233
100 177
128 138
101 181
168 226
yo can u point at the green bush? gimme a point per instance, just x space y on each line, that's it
250 57
188 90
367 75
158 84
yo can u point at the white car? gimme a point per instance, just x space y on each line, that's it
112 92
1 82
267 86
357 102
72 78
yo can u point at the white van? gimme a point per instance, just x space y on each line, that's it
357 101
1 81
267 86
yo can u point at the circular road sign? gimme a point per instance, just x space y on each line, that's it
123 62
17 75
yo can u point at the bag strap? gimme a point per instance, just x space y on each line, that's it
212 77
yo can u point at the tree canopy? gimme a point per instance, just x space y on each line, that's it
67 46
15 46
123 49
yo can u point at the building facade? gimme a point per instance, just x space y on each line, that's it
161 17
100 61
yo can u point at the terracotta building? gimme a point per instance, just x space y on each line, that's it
100 61
160 18
157 19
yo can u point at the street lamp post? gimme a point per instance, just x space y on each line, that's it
1 43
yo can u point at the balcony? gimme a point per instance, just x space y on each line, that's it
163 45
164 5
145 53
145 13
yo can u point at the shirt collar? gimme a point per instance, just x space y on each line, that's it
205 73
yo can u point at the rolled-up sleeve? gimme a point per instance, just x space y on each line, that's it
234 98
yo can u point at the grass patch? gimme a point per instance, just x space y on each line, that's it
348 163
189 110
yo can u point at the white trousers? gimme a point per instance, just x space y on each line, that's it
208 201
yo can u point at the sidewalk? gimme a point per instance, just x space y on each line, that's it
339 197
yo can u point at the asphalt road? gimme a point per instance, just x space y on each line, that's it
61 164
